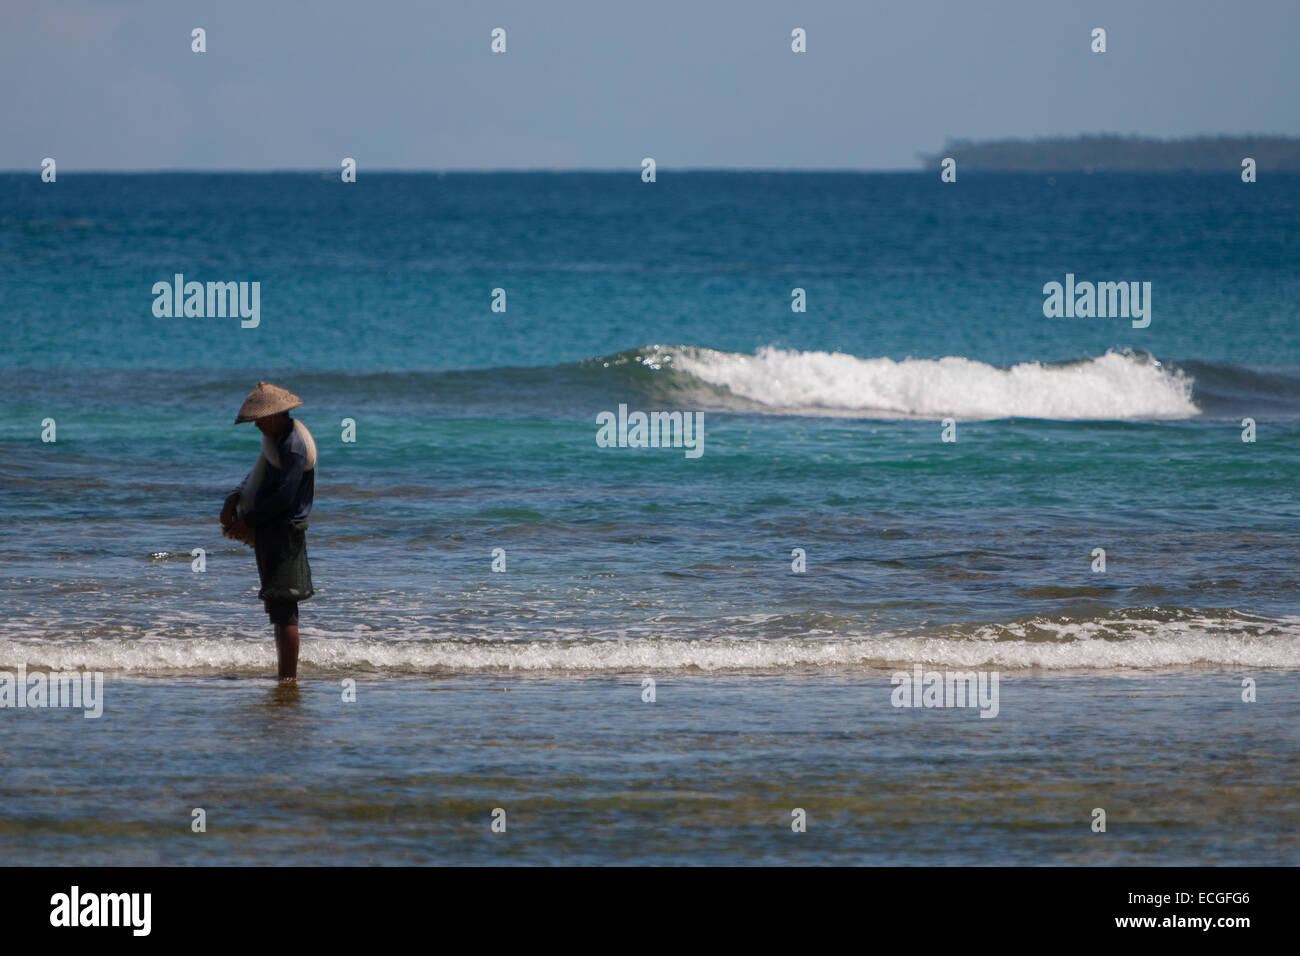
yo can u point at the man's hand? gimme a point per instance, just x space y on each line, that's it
237 530
228 511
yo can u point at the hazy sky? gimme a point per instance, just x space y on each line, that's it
598 84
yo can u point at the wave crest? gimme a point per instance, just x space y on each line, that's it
1132 639
1113 386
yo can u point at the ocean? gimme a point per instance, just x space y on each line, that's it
920 467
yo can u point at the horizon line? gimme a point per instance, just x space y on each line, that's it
605 171
612 170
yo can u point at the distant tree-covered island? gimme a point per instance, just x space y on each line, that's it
1114 153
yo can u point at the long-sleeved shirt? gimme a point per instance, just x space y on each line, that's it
287 491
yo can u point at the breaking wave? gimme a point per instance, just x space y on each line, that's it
1113 386
1132 639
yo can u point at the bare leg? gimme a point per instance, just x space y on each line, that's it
286 649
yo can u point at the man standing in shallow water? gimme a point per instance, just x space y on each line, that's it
269 511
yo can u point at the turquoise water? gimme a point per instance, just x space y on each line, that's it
477 430
396 272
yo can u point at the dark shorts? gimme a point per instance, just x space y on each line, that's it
282 566
282 611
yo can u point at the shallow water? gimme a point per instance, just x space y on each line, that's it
709 773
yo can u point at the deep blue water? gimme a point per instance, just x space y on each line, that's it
396 271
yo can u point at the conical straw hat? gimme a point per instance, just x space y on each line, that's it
266 399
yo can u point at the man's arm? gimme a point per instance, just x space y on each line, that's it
230 510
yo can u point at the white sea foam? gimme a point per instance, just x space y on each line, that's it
1113 386
1113 644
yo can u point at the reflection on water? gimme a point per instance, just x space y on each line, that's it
285 694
